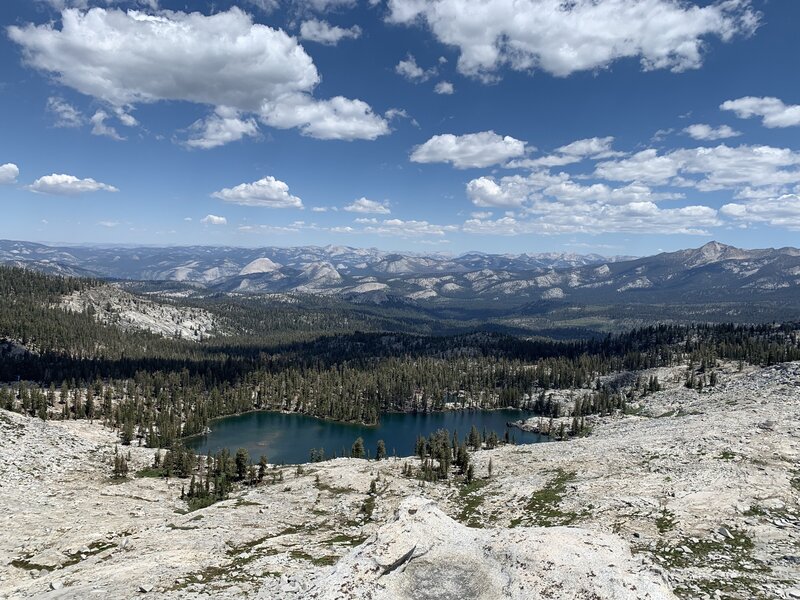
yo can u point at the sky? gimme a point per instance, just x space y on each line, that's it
609 126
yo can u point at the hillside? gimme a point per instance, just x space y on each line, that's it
715 278
695 497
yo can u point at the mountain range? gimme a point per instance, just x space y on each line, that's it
712 273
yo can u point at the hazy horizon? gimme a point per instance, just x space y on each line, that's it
386 125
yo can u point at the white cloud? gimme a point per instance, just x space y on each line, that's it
322 6
708 169
547 161
512 191
221 60
635 217
564 37
66 115
545 203
398 228
223 127
783 211
338 118
485 191
701 131
267 192
409 69
773 112
265 6
399 113
108 224
68 185
325 33
444 87
8 173
99 126
471 150
595 148
366 206
214 220
646 166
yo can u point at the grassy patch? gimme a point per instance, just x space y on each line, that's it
730 557
322 561
325 487
240 556
471 499
72 559
346 540
543 507
368 507
242 502
665 521
727 455
149 472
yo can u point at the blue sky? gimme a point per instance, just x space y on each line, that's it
613 126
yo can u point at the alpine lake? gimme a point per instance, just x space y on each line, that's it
288 438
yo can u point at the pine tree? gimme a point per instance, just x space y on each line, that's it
242 460
357 450
380 452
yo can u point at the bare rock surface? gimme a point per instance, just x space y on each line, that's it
696 494
113 305
424 554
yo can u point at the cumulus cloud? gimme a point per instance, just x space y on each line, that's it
409 69
471 150
68 185
782 211
364 205
325 33
708 169
518 191
595 148
65 114
221 60
564 37
226 125
267 192
635 217
701 131
546 203
8 173
485 191
214 220
444 87
338 118
773 112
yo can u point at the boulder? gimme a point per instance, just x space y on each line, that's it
424 554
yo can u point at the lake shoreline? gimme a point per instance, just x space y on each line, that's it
359 423
289 437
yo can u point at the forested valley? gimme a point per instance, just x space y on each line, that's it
58 364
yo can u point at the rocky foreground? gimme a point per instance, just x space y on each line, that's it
697 496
